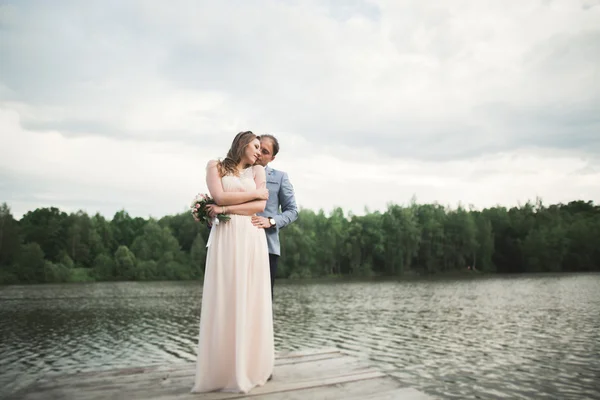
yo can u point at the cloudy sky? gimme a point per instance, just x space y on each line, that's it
118 104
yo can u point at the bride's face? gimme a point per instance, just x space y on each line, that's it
252 152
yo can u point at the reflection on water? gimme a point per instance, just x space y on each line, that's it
498 337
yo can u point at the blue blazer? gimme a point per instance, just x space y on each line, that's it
281 206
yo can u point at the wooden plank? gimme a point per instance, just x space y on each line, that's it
270 388
406 393
317 374
288 372
281 359
360 389
306 352
309 358
177 389
161 372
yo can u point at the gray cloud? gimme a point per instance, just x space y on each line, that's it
345 9
329 72
587 4
25 192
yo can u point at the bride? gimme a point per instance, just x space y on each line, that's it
235 346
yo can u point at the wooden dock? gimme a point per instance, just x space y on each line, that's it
315 374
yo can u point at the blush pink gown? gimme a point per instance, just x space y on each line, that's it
235 347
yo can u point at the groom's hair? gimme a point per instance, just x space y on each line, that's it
273 140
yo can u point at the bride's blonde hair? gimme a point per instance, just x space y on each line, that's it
228 166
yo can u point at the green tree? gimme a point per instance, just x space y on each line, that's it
47 227
125 229
47 245
105 268
431 250
10 244
125 263
56 272
485 248
198 256
402 236
31 264
102 239
80 239
185 229
158 244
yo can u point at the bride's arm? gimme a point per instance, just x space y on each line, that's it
256 206
250 208
223 198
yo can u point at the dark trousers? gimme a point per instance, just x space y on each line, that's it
273 259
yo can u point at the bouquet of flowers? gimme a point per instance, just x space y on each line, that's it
198 209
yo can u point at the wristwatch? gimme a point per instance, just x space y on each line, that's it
272 221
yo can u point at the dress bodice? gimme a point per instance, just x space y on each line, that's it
242 183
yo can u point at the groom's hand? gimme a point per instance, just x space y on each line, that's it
260 222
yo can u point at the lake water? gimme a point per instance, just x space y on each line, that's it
509 337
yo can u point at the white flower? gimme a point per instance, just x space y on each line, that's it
197 199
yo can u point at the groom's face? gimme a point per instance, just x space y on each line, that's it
266 152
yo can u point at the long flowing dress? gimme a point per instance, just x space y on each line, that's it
235 347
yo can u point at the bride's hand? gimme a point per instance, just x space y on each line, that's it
212 210
262 194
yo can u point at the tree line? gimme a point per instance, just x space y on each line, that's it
49 245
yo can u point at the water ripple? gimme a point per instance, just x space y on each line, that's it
500 337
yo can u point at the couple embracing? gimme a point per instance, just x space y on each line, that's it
236 346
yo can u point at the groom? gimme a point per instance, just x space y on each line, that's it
281 207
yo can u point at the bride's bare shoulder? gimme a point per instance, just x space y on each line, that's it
212 164
258 170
